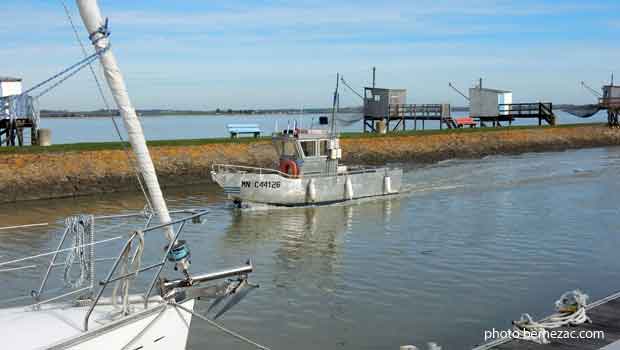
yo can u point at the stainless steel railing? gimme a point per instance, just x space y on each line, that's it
257 170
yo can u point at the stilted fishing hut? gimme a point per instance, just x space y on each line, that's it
492 106
611 102
386 110
17 112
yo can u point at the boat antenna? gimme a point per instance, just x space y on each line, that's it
98 32
335 106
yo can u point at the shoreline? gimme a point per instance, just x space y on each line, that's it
31 173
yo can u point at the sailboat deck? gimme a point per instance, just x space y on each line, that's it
62 322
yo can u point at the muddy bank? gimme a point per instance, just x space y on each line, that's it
53 174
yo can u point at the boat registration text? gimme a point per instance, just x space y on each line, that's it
261 184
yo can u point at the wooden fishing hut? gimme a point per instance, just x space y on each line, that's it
387 110
17 112
493 106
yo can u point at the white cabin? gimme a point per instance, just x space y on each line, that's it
10 86
486 102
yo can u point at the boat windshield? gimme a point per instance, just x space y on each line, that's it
309 148
285 148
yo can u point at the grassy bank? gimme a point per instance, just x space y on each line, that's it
89 168
98 146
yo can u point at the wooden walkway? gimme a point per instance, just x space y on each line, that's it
605 316
12 131
399 114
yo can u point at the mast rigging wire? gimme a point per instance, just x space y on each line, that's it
107 105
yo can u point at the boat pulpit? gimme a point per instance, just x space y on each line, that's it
308 152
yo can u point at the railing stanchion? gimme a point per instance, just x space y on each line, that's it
112 270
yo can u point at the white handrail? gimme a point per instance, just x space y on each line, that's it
220 167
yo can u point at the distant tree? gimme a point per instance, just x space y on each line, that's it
218 111
230 111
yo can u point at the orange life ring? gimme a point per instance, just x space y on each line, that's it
289 166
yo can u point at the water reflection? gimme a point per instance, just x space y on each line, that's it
470 245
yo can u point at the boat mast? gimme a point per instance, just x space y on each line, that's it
98 34
334 107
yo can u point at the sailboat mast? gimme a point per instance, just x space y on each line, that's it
96 27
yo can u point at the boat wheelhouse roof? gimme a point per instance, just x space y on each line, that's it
304 134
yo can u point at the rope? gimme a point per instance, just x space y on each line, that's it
571 311
126 267
80 226
105 100
85 63
19 268
220 327
66 70
85 52
31 257
23 226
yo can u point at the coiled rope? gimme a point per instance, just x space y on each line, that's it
81 227
571 311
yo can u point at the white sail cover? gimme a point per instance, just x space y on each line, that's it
89 11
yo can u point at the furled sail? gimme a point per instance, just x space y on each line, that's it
97 27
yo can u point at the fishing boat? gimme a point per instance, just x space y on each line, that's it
115 312
309 173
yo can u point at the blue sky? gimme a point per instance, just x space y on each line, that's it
267 54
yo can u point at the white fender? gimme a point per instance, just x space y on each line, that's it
387 185
311 191
348 189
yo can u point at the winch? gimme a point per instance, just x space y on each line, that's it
180 255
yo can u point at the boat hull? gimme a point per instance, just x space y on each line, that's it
278 190
158 328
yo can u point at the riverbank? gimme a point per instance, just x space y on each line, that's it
81 169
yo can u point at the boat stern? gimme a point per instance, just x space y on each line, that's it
228 181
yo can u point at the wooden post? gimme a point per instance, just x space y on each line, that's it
20 136
34 138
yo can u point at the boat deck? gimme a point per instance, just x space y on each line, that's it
605 316
67 320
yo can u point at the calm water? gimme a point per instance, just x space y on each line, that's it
469 246
67 130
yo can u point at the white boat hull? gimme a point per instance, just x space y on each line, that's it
278 190
58 327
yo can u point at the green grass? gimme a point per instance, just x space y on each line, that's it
97 146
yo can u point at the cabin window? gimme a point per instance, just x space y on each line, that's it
285 148
309 148
323 148
289 149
